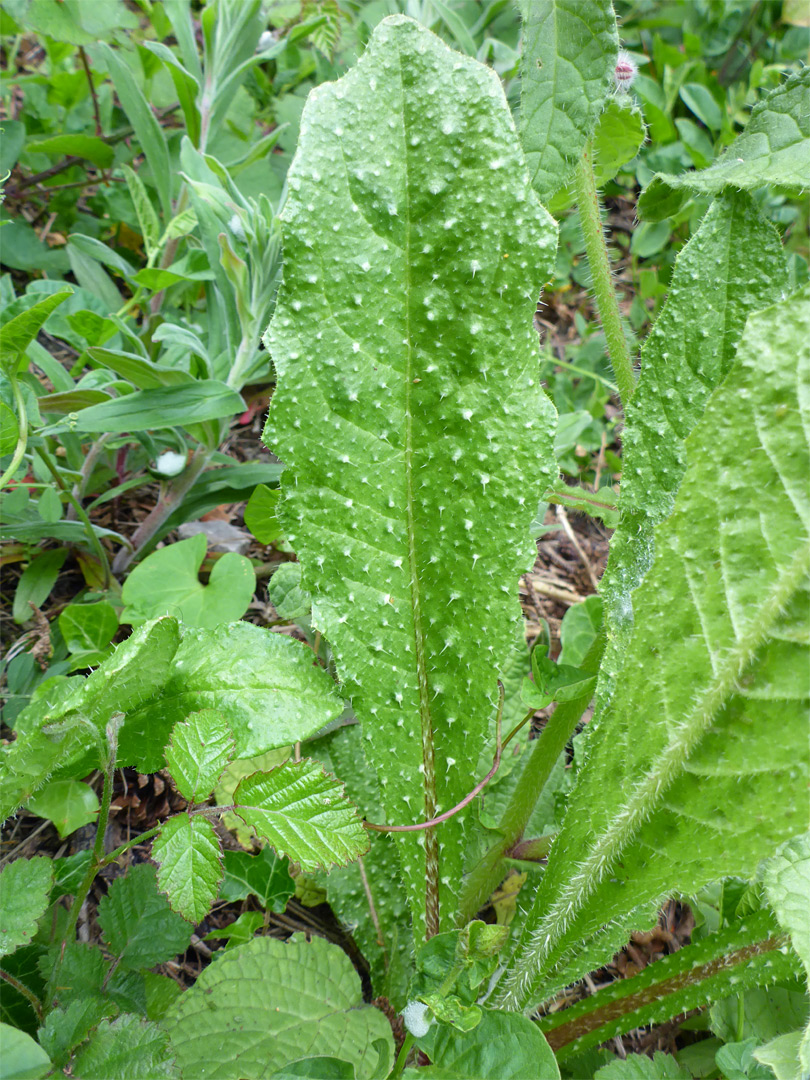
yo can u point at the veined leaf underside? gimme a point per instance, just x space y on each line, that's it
698 767
409 411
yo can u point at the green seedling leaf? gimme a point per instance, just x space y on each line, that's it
773 149
37 581
265 876
640 1067
9 429
504 1046
786 878
561 682
24 888
746 955
23 1058
89 147
189 860
147 218
687 354
265 686
88 630
161 408
50 509
304 813
138 926
287 594
260 514
17 333
720 645
264 1003
200 749
69 804
167 582
65 1029
129 1048
439 433
782 1055
450 1010
240 931
569 56
580 626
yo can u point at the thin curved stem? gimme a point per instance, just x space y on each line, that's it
21 988
22 437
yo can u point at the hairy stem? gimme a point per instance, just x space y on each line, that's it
488 874
21 988
602 280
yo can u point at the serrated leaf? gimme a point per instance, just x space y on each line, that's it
688 353
569 56
745 955
138 926
640 1067
264 1004
65 1029
200 748
304 813
683 782
411 514
128 1048
265 876
787 884
81 975
266 686
189 860
773 149
24 888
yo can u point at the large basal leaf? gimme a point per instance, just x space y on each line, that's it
304 813
24 888
686 780
409 412
268 1003
569 56
265 686
687 354
773 149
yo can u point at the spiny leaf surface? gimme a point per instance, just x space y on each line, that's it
199 750
408 408
569 55
774 149
303 813
684 781
687 354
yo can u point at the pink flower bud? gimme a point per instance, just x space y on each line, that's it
624 72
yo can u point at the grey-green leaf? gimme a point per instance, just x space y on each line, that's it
410 416
267 687
569 56
773 149
268 1003
304 813
683 761
189 865
24 888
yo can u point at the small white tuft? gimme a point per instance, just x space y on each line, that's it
417 1018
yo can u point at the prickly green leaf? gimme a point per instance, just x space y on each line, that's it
773 149
787 884
189 862
684 782
24 888
411 420
687 354
303 813
265 686
200 749
268 1003
746 955
569 56
138 926
129 1048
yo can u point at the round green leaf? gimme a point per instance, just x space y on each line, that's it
69 804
